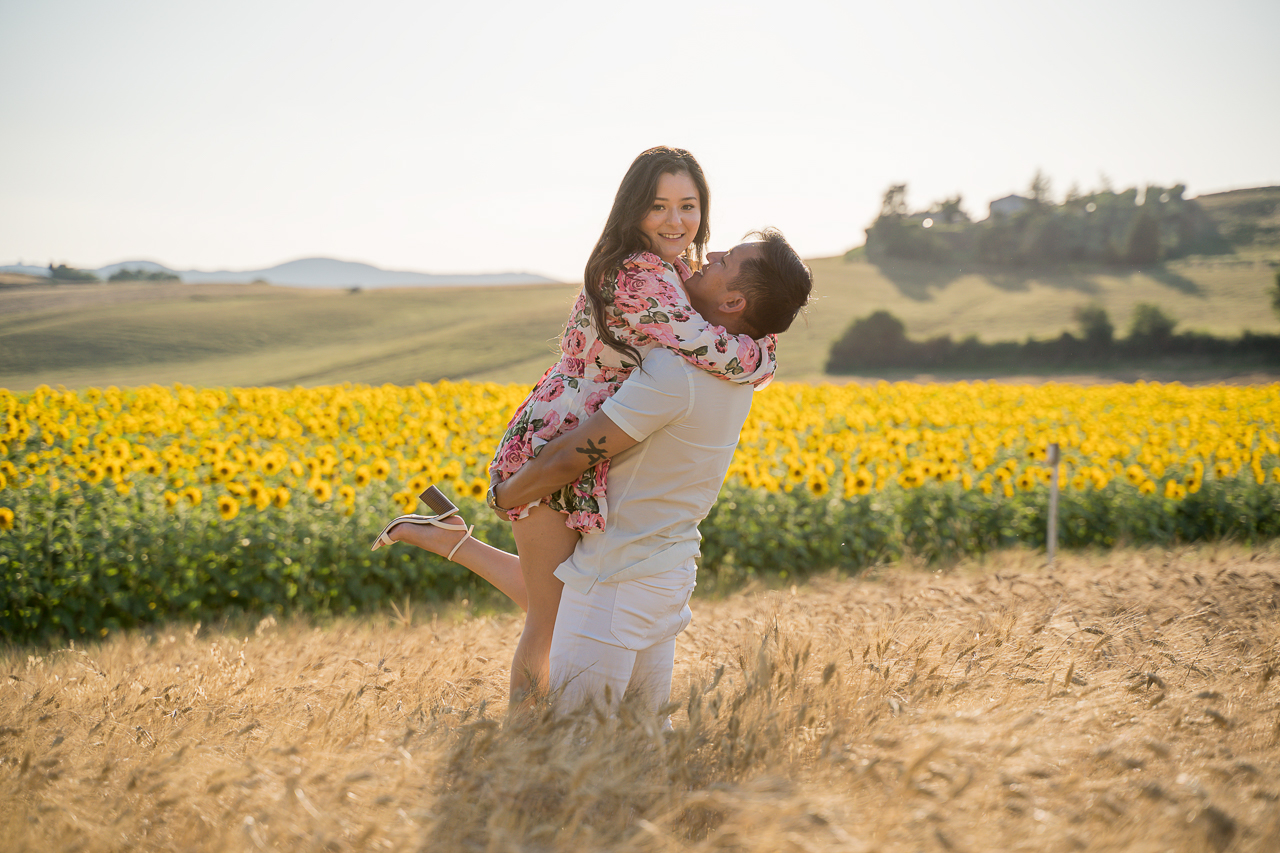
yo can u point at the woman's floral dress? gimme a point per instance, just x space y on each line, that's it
647 307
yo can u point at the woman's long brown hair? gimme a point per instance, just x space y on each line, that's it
622 236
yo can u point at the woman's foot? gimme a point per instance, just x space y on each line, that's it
430 533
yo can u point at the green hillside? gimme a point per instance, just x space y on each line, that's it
1221 295
138 333
1248 218
129 334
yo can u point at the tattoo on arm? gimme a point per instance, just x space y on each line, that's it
595 454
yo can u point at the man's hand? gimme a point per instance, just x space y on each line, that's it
563 459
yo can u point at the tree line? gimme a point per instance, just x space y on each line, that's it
880 341
1134 226
62 272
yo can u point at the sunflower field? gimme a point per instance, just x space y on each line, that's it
120 507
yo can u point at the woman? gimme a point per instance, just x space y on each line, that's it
632 300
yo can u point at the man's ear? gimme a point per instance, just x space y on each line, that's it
733 302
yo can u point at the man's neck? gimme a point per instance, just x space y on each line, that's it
732 323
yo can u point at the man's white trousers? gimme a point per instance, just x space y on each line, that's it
620 638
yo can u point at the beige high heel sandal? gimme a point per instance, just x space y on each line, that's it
444 508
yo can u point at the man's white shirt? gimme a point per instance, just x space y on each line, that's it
687 422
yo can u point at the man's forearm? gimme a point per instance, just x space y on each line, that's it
540 476
563 459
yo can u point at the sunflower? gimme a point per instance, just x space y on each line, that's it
192 495
281 498
228 507
1174 490
171 499
261 495
321 490
861 482
6 518
408 501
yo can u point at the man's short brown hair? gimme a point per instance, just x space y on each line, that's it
776 284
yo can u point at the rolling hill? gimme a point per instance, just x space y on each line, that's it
254 334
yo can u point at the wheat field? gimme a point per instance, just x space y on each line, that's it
1119 701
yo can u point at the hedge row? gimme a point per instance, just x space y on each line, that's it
82 565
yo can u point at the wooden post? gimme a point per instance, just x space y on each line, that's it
1052 539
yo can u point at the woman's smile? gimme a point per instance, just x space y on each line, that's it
673 218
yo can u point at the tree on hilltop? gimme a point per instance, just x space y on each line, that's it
142 275
894 203
1143 244
950 210
62 272
1041 194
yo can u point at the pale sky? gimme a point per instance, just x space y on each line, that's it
491 136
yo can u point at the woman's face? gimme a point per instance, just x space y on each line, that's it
673 217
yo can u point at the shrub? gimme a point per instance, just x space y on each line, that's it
1095 325
876 340
1150 325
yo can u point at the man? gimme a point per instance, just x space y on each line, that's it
671 431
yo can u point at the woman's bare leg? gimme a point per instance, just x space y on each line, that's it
544 543
500 568
529 580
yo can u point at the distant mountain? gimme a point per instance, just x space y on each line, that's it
310 272
26 269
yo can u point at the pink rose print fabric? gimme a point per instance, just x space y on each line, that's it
647 307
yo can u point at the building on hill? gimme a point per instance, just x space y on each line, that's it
1008 205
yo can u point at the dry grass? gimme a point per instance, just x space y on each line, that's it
1126 701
